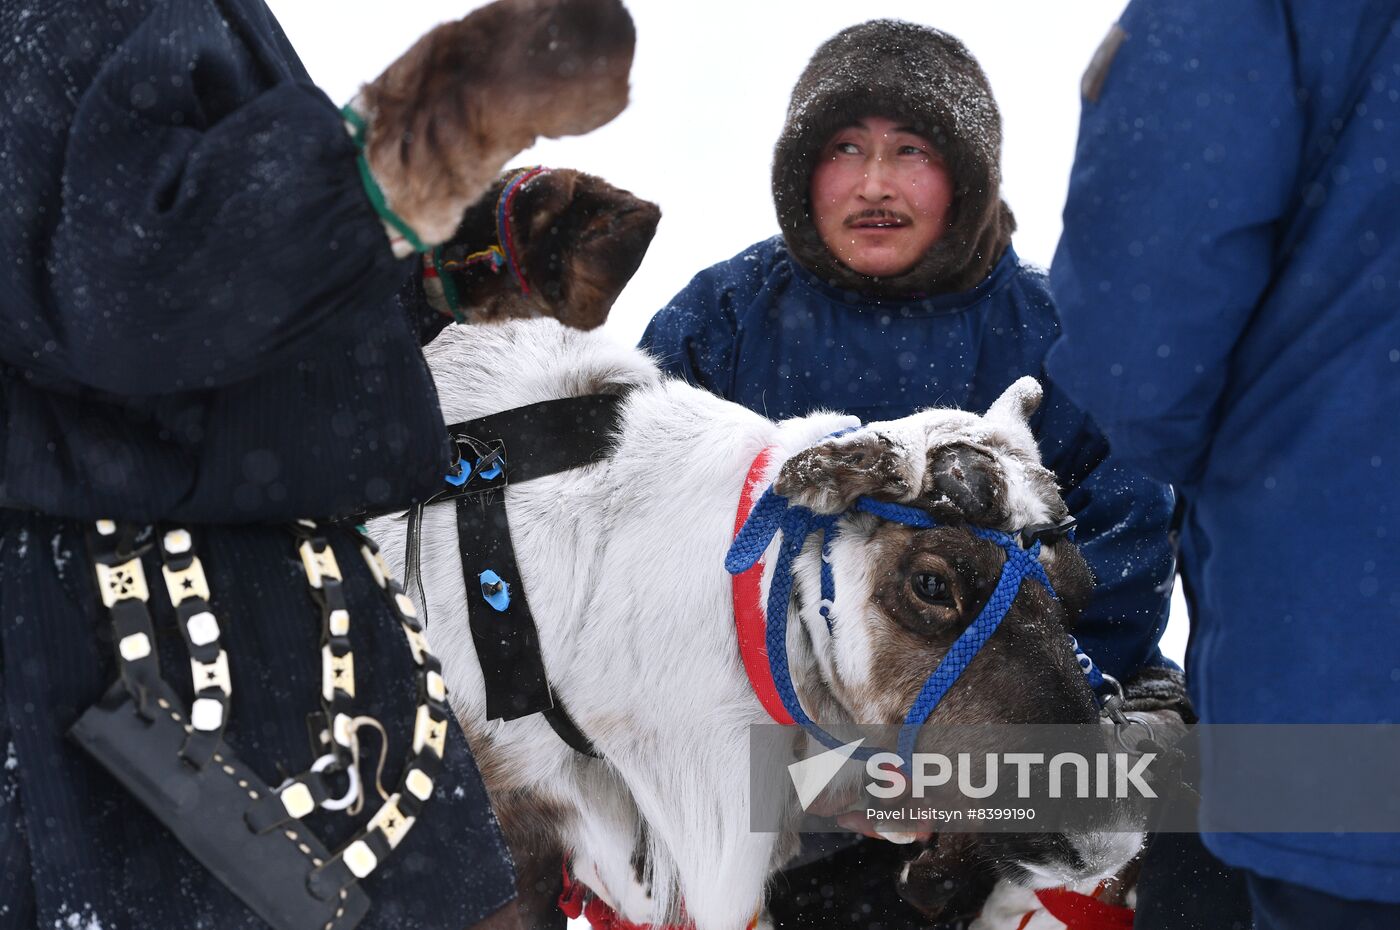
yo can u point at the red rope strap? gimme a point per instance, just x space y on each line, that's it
1082 912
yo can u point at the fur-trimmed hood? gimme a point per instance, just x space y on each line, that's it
927 78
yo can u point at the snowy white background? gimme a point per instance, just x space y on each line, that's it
710 85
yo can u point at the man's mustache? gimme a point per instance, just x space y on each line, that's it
903 219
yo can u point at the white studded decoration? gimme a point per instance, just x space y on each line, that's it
360 859
419 784
296 798
136 646
207 714
203 628
178 542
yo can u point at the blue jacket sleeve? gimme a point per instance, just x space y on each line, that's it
1123 524
213 221
1183 167
693 337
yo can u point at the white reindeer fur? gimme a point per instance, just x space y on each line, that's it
623 565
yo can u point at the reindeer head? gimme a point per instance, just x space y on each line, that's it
904 594
574 242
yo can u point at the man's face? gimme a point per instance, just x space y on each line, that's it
880 196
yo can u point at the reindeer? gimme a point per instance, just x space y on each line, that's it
623 561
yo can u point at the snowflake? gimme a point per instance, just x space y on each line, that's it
77 920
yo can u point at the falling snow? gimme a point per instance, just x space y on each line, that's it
83 919
61 555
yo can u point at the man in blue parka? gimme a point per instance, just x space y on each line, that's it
205 336
1229 283
894 287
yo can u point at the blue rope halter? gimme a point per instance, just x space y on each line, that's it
774 513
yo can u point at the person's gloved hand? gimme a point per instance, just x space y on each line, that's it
1157 697
442 121
1154 690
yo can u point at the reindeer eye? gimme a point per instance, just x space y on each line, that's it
932 588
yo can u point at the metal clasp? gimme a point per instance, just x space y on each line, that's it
352 795
1122 721
1047 533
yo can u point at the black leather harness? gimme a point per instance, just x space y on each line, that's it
495 451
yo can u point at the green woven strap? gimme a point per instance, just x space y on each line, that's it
372 188
449 287
357 122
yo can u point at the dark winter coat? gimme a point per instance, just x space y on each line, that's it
762 331
200 321
1229 279
198 314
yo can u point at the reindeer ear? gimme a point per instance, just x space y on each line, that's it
829 476
1018 401
586 245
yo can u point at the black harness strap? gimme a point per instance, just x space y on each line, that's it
507 644
564 727
550 436
505 448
